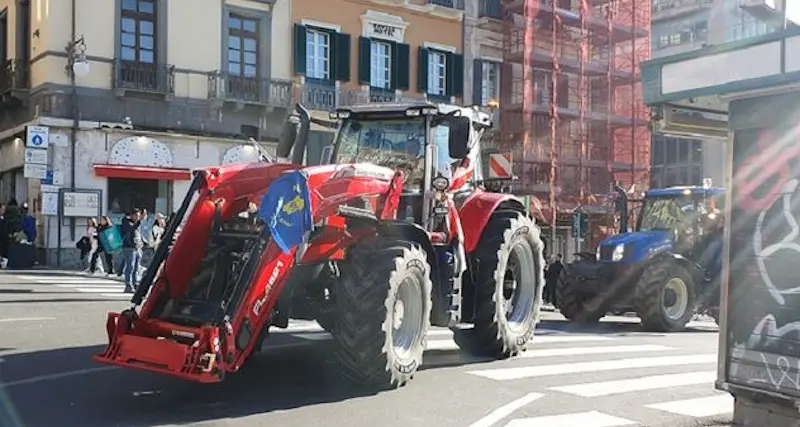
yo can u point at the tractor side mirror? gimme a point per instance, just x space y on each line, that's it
458 139
288 137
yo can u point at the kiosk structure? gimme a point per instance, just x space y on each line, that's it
747 95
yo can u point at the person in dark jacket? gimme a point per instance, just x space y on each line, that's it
103 225
5 238
132 244
551 279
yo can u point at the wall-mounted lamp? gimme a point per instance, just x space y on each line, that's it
77 64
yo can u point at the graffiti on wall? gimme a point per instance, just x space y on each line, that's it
764 283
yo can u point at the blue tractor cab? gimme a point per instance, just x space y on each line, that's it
665 270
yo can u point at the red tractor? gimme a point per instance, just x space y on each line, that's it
394 234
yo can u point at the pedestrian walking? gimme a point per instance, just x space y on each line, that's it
5 238
93 265
551 279
103 253
157 232
132 245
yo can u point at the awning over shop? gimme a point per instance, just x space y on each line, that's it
142 172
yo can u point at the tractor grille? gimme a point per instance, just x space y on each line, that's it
605 252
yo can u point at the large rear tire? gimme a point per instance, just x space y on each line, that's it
383 313
508 287
570 303
665 297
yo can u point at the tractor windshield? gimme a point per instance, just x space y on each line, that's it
394 143
668 214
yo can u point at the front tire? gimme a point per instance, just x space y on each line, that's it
383 313
508 287
665 297
570 303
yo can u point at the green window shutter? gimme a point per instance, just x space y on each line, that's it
341 56
364 44
454 84
422 70
477 82
299 49
401 66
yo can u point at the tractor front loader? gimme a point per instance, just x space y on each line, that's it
394 234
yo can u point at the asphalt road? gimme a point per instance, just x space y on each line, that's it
51 324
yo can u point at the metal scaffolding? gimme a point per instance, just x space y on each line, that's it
571 108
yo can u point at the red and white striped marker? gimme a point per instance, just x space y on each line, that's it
500 166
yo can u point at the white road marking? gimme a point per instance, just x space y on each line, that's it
597 366
578 351
51 377
498 414
122 295
319 336
26 319
698 408
95 290
100 287
582 419
608 388
546 339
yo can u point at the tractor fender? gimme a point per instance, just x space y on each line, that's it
412 233
476 211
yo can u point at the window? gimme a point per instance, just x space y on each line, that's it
242 46
138 31
318 54
3 36
685 31
490 82
437 71
380 65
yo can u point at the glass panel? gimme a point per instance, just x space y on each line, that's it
234 42
146 28
146 56
146 7
128 25
146 42
658 150
234 68
234 23
129 5
250 45
128 39
250 58
249 70
128 54
683 151
234 55
249 25
672 150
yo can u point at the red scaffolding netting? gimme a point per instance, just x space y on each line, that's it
571 108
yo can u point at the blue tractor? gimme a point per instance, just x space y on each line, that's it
666 270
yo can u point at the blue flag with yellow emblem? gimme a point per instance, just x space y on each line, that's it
286 209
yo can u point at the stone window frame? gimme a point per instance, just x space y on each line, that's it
161 30
264 19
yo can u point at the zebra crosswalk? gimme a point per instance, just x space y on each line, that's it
97 286
665 377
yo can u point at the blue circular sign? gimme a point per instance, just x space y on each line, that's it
37 140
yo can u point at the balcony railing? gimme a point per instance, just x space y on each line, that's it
490 9
452 4
143 77
14 76
250 90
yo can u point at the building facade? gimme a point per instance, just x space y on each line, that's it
682 26
145 91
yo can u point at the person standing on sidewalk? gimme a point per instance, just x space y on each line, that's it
132 244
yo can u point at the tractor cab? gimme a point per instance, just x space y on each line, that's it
436 146
675 219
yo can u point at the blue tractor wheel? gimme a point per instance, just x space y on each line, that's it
570 302
665 296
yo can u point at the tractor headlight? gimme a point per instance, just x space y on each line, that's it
619 253
440 183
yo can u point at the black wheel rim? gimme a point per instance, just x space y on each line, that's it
406 318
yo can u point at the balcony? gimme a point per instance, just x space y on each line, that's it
451 4
250 90
144 78
14 81
491 9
